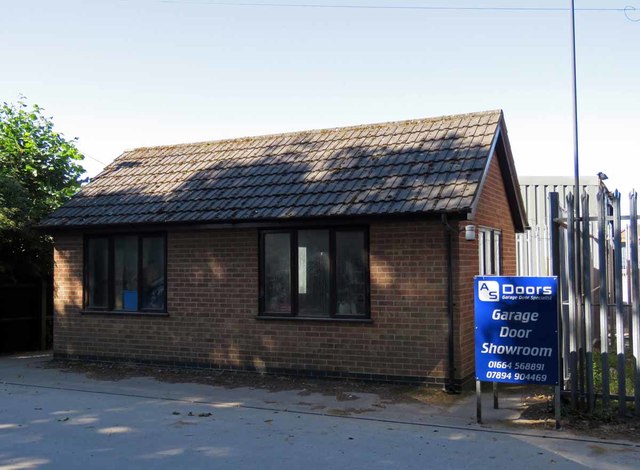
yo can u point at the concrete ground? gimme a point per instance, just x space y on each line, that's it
55 419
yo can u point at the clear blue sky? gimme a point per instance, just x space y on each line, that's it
119 74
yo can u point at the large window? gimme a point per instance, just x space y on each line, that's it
125 273
314 273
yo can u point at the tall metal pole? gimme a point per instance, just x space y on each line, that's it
578 277
574 89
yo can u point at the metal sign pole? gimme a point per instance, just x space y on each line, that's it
479 402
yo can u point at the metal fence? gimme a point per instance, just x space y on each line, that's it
596 260
533 256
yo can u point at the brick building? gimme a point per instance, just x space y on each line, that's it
339 252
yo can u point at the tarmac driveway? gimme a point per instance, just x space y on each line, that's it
55 419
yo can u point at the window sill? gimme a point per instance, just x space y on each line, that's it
123 313
315 319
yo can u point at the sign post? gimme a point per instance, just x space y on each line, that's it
516 331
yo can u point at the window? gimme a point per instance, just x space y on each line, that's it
125 273
314 273
489 252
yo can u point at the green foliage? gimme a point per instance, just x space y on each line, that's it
39 171
14 203
612 360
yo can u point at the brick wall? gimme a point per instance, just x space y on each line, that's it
493 212
213 303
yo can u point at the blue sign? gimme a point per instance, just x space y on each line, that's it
516 329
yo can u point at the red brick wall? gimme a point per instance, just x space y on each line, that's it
213 303
493 212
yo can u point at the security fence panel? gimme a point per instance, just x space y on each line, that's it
595 257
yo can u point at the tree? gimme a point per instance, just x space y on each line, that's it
39 170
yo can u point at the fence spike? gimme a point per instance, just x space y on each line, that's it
604 297
635 298
554 226
573 336
587 316
617 260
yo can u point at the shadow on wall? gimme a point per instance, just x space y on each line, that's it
67 293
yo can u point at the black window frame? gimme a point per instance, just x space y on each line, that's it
293 260
111 273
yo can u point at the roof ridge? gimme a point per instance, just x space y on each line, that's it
446 117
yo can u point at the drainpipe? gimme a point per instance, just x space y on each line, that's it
450 386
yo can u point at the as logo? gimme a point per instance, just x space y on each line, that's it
489 291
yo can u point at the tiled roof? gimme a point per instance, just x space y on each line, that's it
431 165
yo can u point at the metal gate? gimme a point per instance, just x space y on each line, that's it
596 261
26 317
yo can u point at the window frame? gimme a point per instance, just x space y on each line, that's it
111 273
293 266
